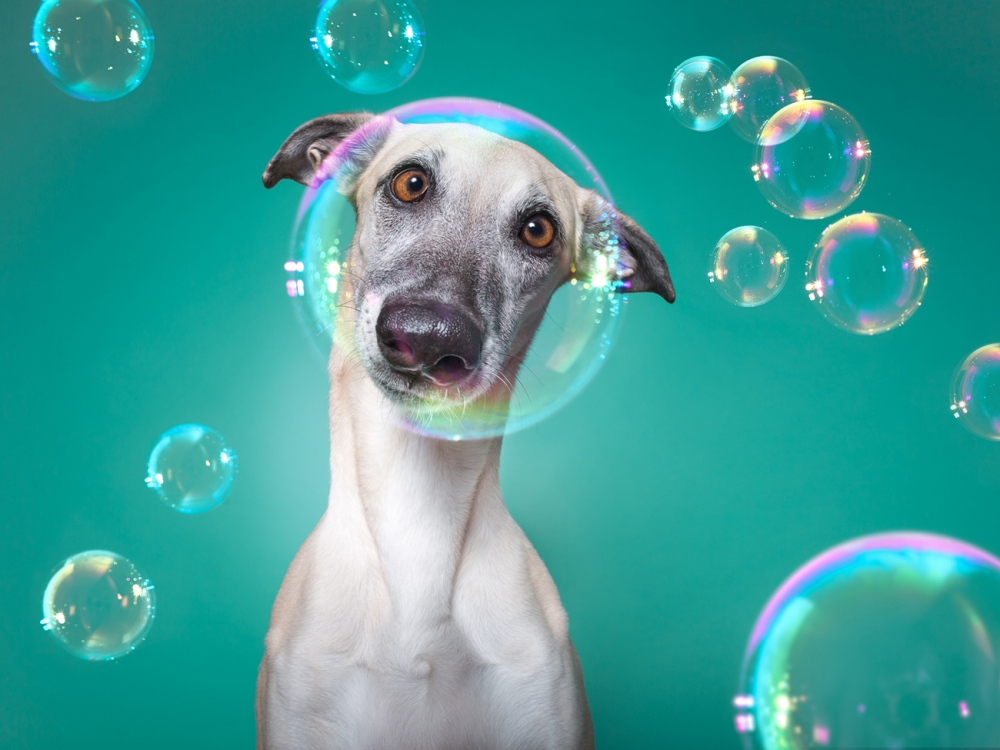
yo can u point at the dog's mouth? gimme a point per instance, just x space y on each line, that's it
446 383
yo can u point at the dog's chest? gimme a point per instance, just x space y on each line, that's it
431 688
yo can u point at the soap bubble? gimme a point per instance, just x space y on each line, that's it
582 318
812 160
749 266
763 86
975 392
96 50
888 641
98 606
867 273
369 46
702 95
191 468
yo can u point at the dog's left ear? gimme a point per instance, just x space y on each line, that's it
644 268
301 156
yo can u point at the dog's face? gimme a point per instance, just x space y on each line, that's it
462 237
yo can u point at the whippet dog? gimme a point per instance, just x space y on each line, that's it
417 615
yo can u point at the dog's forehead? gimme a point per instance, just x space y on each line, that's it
474 161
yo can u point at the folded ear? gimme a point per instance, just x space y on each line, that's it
642 267
302 155
641 256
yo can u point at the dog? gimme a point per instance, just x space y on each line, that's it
417 615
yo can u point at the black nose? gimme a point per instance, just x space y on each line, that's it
437 339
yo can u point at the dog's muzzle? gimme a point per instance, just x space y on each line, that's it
438 341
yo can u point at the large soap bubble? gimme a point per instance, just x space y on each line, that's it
812 160
98 606
702 95
867 273
975 392
369 46
191 468
96 50
582 318
763 86
748 266
888 641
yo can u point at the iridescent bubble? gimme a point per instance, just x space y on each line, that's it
98 606
975 392
96 50
812 160
867 273
749 266
580 323
191 468
702 95
763 86
369 46
888 641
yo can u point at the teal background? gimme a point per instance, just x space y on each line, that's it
141 286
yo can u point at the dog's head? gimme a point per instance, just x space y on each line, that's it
462 237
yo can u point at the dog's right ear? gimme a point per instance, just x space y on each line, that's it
301 156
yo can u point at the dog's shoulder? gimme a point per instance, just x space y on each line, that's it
547 594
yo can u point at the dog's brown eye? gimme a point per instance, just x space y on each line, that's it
410 185
538 231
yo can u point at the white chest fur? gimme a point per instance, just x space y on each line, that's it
417 615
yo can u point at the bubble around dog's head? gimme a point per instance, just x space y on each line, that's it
462 238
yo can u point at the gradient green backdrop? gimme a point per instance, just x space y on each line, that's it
141 286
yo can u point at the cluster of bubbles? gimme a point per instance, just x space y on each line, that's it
582 318
99 50
885 641
889 640
97 605
867 273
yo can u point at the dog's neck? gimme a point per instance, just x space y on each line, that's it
414 495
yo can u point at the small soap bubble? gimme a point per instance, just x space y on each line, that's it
812 160
975 392
749 266
888 641
763 86
95 50
191 468
369 46
98 606
702 95
867 273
